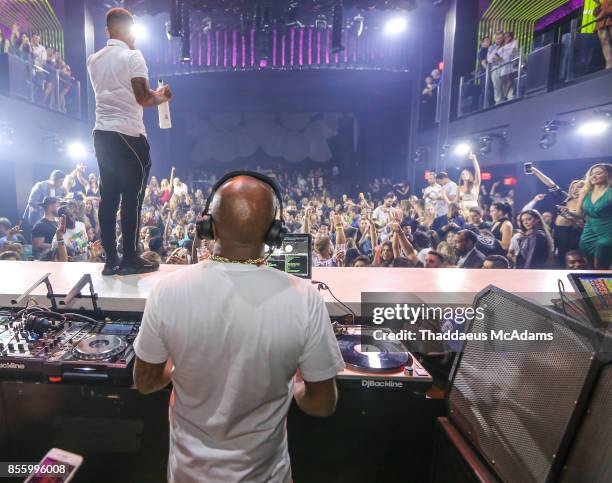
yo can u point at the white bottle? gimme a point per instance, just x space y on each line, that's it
163 111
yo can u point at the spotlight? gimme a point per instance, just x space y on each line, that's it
485 145
337 30
293 15
77 150
206 25
358 22
420 154
396 25
551 128
139 31
321 22
444 151
462 149
485 142
548 139
593 128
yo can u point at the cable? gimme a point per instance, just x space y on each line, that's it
565 300
71 315
561 288
321 285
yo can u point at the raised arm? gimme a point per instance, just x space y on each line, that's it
147 97
397 252
476 166
172 171
407 248
77 175
306 222
543 178
62 254
339 227
167 225
373 233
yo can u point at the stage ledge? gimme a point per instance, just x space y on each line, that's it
130 293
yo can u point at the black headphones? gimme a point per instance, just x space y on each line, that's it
275 234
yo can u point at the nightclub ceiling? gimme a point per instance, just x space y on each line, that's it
304 10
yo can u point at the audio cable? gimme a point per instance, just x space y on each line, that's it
324 286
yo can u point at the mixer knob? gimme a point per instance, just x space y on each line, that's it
20 347
1 346
11 347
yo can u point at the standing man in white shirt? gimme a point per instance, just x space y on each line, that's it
231 333
494 59
119 77
385 212
432 195
39 52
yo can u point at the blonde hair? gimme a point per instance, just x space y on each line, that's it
574 183
588 186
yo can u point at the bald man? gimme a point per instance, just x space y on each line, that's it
119 77
237 339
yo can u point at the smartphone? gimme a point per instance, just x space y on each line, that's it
528 168
57 466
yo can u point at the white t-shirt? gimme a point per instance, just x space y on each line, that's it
111 71
451 189
76 241
236 334
40 55
433 196
382 215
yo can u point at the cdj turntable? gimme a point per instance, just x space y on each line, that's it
378 364
40 344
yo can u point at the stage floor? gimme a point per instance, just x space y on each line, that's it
130 293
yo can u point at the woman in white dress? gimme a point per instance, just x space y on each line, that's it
469 186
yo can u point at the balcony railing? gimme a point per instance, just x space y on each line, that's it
578 54
49 88
496 85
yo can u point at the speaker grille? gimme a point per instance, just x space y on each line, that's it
589 458
515 406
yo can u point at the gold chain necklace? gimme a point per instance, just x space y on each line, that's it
257 261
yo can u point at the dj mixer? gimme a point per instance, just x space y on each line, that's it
40 344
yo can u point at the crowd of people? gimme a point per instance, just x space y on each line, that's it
51 76
450 223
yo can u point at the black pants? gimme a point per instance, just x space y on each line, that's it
124 164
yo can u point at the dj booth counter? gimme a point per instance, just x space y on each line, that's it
377 433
